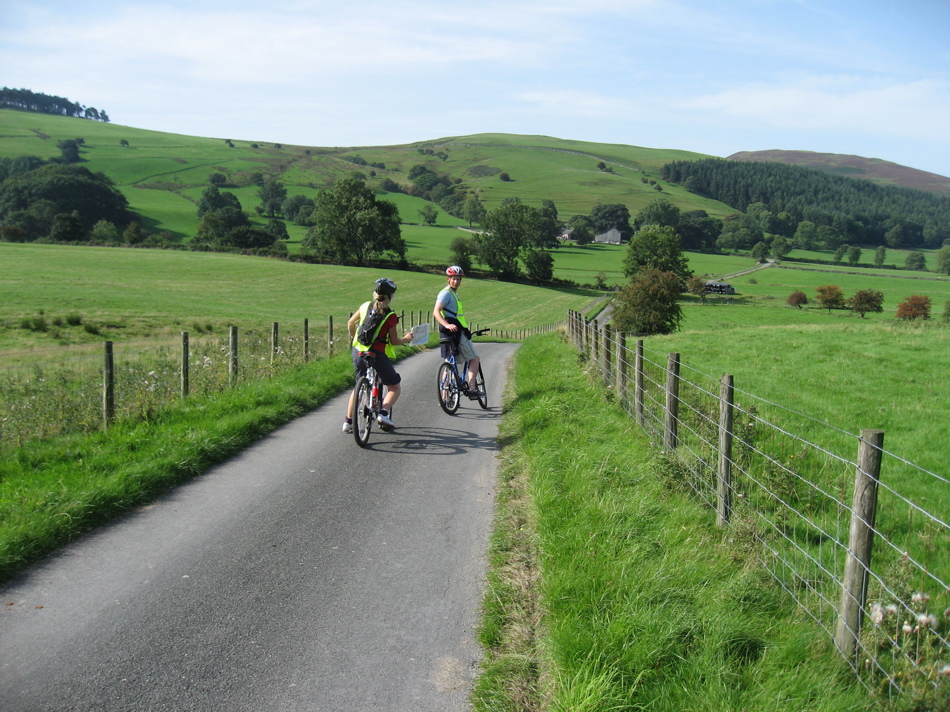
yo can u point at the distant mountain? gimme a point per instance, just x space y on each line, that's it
872 169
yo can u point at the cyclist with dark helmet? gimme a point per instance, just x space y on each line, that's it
378 346
450 315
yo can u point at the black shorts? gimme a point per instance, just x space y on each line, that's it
382 364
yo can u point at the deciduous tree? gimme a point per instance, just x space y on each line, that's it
657 247
830 296
351 226
648 305
797 299
914 307
915 261
867 300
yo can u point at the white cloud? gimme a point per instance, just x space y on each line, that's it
916 109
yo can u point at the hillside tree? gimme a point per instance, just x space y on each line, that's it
797 299
914 307
942 260
866 300
830 296
352 226
648 304
272 195
916 261
509 230
657 247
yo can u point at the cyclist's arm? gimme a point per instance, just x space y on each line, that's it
394 336
352 323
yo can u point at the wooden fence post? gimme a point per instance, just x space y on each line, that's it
861 537
108 387
274 341
671 416
638 381
608 356
622 355
726 417
184 364
306 341
232 355
330 335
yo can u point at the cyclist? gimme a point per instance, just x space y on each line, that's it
449 313
378 346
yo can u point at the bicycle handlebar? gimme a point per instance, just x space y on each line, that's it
480 332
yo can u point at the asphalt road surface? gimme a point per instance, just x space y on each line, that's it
304 574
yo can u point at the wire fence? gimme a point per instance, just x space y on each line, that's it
813 502
84 389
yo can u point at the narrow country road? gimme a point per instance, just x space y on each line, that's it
304 574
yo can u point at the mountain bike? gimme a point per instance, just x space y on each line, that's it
453 384
367 404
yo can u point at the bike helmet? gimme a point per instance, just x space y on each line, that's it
455 271
384 287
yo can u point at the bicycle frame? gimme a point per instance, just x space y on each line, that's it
370 392
453 384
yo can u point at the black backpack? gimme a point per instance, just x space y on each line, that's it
369 326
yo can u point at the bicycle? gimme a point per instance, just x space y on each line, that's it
367 404
453 384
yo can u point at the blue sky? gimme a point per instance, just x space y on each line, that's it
866 77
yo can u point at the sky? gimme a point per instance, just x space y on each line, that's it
863 77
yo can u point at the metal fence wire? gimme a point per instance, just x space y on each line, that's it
810 500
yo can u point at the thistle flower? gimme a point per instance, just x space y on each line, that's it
891 609
907 628
877 614
945 671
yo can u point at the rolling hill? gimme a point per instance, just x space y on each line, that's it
872 169
163 175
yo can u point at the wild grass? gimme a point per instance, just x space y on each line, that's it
610 591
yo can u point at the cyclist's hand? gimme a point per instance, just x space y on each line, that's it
452 327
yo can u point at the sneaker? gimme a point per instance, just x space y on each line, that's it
385 421
347 427
475 394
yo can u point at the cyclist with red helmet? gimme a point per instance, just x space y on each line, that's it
450 315
377 343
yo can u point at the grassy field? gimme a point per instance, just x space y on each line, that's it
134 294
608 591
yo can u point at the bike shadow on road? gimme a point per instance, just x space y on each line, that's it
409 440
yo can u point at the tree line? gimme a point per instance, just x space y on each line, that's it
853 211
26 100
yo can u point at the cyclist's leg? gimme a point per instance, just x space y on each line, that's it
472 373
359 366
391 379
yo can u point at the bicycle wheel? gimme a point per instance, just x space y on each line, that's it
480 385
363 417
448 389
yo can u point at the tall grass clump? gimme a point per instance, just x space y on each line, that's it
611 590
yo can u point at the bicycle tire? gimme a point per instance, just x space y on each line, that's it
480 385
363 417
449 396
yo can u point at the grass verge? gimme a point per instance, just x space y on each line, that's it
53 491
608 589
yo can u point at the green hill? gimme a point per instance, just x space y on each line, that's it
162 175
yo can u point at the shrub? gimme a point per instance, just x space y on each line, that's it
797 299
914 307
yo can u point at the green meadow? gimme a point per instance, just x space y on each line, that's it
836 367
